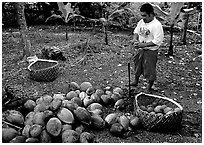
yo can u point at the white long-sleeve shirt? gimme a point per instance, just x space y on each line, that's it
151 31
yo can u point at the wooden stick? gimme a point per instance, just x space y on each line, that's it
11 124
129 79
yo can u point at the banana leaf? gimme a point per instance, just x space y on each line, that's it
65 9
175 11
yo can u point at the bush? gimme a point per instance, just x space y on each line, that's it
35 13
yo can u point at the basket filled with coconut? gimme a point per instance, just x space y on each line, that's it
158 113
43 70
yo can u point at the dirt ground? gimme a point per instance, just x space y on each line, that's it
179 77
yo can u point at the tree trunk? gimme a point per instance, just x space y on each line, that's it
184 32
106 35
25 41
105 25
170 52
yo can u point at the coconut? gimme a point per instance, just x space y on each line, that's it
120 104
106 99
26 131
77 101
71 95
29 118
18 139
66 116
143 108
8 134
32 140
41 107
94 106
96 112
85 85
177 109
30 105
158 109
39 118
124 121
70 136
46 99
150 109
73 86
79 129
111 118
87 101
14 117
118 90
66 127
45 137
167 109
54 126
116 129
69 105
55 104
35 130
86 137
98 122
83 115
59 96
82 95
116 96
95 98
134 122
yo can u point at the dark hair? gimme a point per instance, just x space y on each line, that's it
148 8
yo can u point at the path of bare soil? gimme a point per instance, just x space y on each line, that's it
179 78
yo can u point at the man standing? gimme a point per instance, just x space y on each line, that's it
148 36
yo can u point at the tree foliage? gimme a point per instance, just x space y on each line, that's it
125 15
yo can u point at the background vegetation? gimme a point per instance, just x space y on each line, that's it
37 13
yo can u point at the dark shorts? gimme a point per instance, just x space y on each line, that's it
145 63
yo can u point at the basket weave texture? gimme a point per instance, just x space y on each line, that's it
154 122
44 70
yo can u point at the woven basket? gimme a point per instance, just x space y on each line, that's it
153 121
43 70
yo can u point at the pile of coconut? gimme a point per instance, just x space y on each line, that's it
64 118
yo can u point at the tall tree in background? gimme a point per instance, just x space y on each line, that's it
184 30
175 10
25 41
191 9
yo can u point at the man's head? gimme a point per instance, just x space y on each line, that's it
147 12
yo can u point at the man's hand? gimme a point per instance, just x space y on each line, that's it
136 44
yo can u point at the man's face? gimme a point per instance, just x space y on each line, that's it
147 18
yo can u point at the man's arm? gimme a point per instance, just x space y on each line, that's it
135 37
140 44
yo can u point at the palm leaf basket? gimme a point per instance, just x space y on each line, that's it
154 121
43 70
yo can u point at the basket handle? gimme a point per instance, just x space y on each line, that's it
31 59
